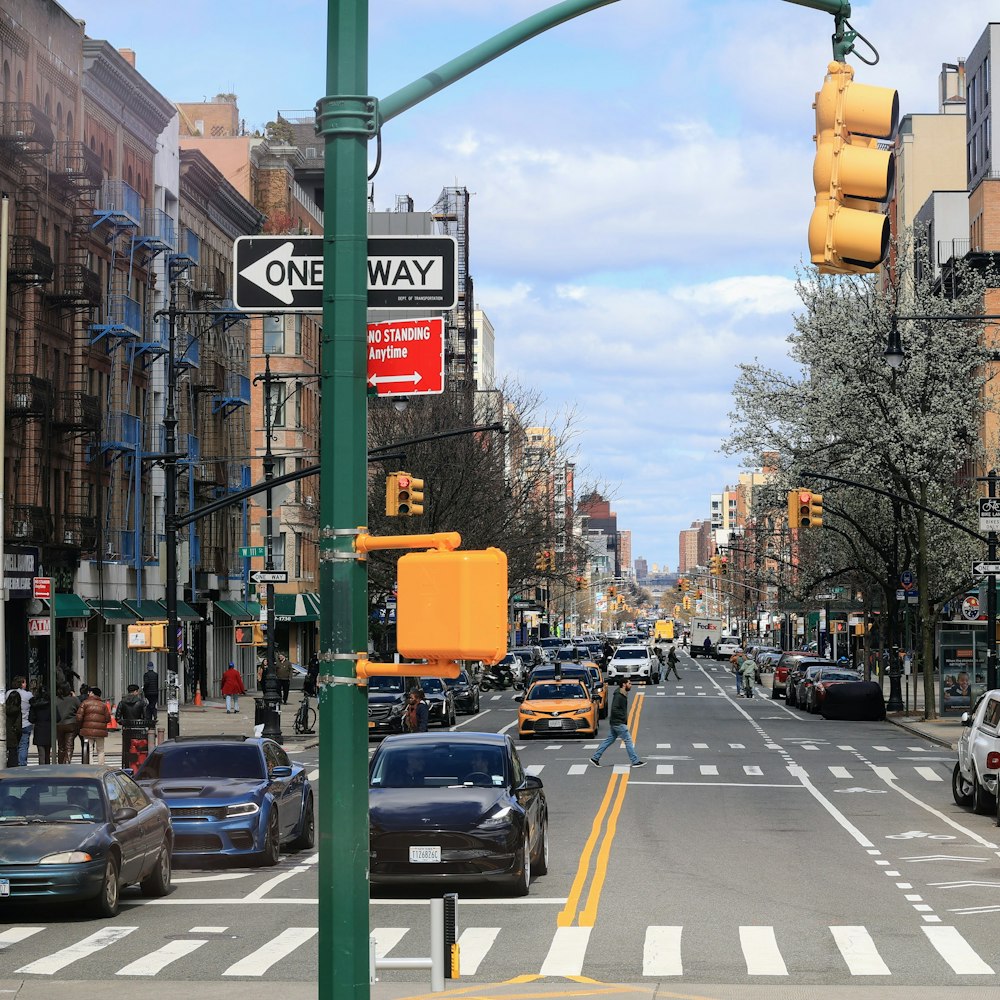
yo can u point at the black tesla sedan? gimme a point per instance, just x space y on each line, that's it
440 702
465 691
72 833
455 807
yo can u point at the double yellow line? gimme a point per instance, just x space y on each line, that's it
610 808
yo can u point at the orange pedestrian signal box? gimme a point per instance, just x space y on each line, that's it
452 605
147 636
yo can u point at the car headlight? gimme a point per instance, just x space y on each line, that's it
66 858
243 809
498 818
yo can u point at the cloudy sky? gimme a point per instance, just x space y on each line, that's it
641 182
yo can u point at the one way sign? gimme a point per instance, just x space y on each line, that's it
285 273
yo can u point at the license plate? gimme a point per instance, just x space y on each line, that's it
425 855
555 723
4 886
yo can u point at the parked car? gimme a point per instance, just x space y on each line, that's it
803 686
440 702
635 662
235 797
826 679
974 779
455 807
789 661
729 645
387 703
73 833
465 692
565 707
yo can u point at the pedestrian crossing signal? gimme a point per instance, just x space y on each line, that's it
147 636
251 634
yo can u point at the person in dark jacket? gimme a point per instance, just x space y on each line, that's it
40 717
672 662
151 689
310 685
132 711
415 717
619 726
67 727
12 712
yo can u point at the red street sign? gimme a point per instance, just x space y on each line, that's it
406 357
41 588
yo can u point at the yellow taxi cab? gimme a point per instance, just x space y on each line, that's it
599 687
560 707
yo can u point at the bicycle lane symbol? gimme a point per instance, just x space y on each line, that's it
918 835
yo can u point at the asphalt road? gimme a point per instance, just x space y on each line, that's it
759 846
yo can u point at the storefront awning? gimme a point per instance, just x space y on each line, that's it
146 611
295 608
113 611
185 612
239 611
70 606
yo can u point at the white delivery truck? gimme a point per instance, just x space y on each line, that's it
705 628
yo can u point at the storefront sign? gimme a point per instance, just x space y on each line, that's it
20 566
38 626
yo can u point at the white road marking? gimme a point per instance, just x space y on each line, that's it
664 768
662 746
956 951
95 942
797 771
259 961
661 952
495 697
928 773
555 746
265 887
534 768
577 769
736 746
17 934
840 772
700 746
313 775
859 951
473 945
845 748
751 769
809 746
386 938
157 961
708 769
222 877
208 930
883 749
884 773
472 718
760 949
918 749
567 952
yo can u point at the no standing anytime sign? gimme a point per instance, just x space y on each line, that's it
406 357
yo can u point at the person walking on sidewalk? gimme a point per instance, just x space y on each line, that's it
94 717
12 712
20 685
284 675
132 711
619 726
151 689
40 716
232 688
66 725
672 662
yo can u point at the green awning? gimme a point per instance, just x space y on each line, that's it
313 601
71 606
294 608
184 611
112 611
146 611
239 611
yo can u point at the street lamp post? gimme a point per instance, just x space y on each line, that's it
895 702
170 512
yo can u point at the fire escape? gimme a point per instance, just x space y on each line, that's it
451 213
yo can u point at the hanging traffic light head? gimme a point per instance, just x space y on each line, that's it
411 495
723 565
805 509
848 231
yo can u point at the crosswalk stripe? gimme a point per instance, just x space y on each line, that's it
664 768
882 749
751 769
567 952
736 746
709 769
577 769
809 746
928 773
17 934
534 768
386 938
662 746
95 942
885 773
157 961
760 949
554 746
661 952
259 961
473 945
859 951
700 746
495 697
797 771
956 951
840 772
313 775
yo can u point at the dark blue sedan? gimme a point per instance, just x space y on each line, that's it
235 797
79 833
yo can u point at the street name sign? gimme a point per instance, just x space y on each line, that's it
285 273
251 551
983 568
270 576
406 357
989 513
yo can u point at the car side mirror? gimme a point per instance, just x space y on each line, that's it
280 771
966 719
519 697
532 781
124 814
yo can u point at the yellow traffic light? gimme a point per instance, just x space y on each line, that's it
723 565
805 509
848 231
404 495
793 508
392 494
715 566
687 603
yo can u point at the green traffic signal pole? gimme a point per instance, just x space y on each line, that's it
347 119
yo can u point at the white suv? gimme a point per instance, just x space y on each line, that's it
729 645
634 662
974 781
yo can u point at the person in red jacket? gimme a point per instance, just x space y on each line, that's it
232 688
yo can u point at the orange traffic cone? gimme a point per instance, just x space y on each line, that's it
113 724
197 694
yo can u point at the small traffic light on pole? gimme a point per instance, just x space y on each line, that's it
848 230
805 509
404 495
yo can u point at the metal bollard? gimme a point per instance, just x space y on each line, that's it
437 946
451 955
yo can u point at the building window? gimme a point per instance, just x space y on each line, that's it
274 335
298 334
298 404
278 404
298 555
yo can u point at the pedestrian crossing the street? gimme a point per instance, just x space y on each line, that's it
666 951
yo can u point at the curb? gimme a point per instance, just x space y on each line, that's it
939 740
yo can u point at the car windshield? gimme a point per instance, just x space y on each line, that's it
839 675
462 678
631 654
50 800
207 760
566 654
432 685
439 765
546 692
386 685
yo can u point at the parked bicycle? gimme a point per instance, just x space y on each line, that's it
305 717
